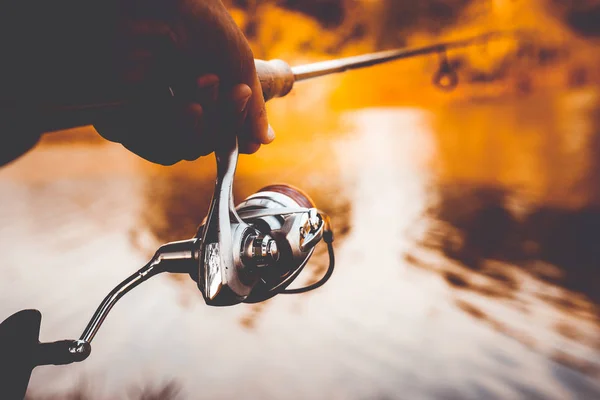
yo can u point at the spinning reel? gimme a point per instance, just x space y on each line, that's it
247 254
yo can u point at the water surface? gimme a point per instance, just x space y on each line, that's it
467 258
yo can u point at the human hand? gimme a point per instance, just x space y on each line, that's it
192 51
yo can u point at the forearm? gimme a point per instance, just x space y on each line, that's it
65 54
54 57
54 51
116 63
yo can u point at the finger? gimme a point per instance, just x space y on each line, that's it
157 140
249 147
228 119
158 135
163 136
114 127
197 142
154 147
240 96
256 127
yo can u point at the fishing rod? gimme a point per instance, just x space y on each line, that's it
278 78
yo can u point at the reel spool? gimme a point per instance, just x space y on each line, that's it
296 235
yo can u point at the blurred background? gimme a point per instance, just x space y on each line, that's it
467 222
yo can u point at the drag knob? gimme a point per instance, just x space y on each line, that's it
260 251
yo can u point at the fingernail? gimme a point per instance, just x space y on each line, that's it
270 134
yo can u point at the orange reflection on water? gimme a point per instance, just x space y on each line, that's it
543 144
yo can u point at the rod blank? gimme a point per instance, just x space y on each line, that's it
278 78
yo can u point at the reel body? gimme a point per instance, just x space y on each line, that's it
284 227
